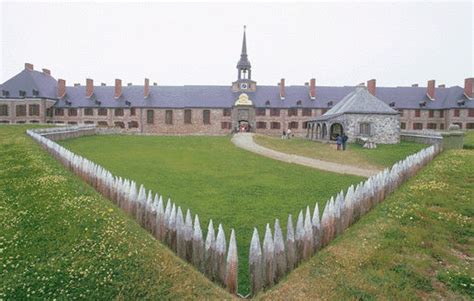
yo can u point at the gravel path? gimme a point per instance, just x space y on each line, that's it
245 141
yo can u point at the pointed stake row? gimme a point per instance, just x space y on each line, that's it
165 222
314 231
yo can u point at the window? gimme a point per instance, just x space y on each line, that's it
72 112
459 124
418 126
132 124
441 126
305 125
441 113
102 112
22 93
59 112
430 113
206 117
187 116
261 112
169 117
274 112
119 124
88 112
470 113
417 113
133 112
21 110
307 112
470 126
403 125
226 125
118 112
72 122
102 123
364 129
20 121
150 116
33 110
456 113
292 112
275 125
431 126
59 122
3 110
49 112
34 121
401 112
226 112
293 125
4 121
88 122
261 125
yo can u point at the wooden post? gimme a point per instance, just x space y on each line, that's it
221 247
180 244
188 236
280 255
255 263
299 236
198 246
290 245
308 241
232 265
268 258
210 247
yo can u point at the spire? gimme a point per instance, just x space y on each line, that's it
244 62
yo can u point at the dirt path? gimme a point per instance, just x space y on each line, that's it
245 141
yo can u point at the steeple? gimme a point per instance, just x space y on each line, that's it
244 70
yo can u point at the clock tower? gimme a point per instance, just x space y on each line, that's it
244 82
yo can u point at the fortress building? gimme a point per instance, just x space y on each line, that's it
37 97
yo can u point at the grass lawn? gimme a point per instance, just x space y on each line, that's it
216 180
418 244
469 139
61 240
383 156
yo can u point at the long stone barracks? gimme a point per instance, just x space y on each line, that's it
37 97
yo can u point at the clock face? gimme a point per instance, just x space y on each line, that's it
243 86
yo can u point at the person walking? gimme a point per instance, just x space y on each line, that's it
288 133
338 142
283 136
344 141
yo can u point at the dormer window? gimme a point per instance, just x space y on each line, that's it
22 93
298 103
461 102
422 103
35 92
392 104
5 93
330 103
128 103
267 103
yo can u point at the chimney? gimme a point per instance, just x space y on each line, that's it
45 71
89 87
414 85
371 86
312 88
118 88
282 89
61 88
146 89
430 90
29 66
469 87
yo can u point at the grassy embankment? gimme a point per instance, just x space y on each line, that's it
62 240
418 244
382 156
216 180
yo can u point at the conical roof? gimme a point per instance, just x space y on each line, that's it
244 62
359 101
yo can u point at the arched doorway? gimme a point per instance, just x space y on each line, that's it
324 132
244 126
336 130
318 131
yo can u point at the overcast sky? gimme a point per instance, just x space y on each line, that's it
340 43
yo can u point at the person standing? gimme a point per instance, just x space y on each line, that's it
344 141
338 142
288 133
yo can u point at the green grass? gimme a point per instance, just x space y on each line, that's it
385 155
417 244
61 240
469 140
216 180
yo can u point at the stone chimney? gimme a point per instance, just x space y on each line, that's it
469 87
430 90
89 87
118 88
312 88
371 86
45 71
282 89
146 88
61 88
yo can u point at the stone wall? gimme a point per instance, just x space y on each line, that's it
12 117
385 128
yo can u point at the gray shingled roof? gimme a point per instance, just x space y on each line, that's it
222 96
356 102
